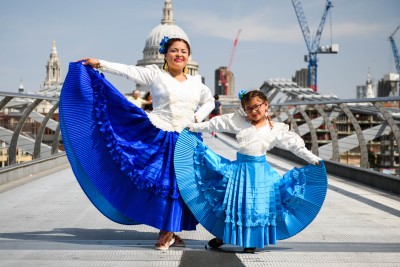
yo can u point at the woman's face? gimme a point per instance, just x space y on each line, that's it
177 56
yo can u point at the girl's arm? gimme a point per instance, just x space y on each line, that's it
138 74
294 143
224 123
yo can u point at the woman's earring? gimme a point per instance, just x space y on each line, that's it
165 66
186 70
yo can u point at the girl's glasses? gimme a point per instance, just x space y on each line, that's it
254 108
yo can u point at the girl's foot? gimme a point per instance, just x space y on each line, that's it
165 240
215 243
249 250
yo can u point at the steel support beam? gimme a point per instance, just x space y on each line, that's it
332 132
392 124
314 137
39 137
12 150
292 120
360 136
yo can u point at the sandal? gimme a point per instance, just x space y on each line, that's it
215 243
178 241
164 241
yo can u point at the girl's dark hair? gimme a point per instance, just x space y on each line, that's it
216 96
249 95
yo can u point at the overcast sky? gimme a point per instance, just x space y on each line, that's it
271 44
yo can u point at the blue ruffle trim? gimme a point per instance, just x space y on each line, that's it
211 182
119 156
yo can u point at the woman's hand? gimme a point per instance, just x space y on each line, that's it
93 62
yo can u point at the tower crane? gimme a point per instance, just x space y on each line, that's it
224 76
395 51
313 44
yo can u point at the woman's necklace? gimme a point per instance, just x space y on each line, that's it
180 77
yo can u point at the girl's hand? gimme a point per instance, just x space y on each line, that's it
189 127
93 62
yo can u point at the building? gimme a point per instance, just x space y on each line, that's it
389 85
53 82
223 79
168 28
367 90
301 78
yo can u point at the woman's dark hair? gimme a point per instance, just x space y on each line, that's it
146 96
249 95
147 107
173 40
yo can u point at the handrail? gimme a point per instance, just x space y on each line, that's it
23 129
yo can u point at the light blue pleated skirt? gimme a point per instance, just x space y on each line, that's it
246 202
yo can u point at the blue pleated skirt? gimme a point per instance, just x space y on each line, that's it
123 163
246 202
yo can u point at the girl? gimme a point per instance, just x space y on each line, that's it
246 202
122 156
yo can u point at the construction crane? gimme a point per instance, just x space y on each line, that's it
395 51
224 75
313 44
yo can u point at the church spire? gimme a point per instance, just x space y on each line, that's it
54 49
21 88
370 88
168 13
53 68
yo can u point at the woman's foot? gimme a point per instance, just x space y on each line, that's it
178 241
215 243
165 240
249 250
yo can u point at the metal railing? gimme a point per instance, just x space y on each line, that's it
361 130
365 131
29 127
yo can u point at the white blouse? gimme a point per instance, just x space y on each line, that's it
175 103
256 141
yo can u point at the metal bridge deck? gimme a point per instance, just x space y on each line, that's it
48 221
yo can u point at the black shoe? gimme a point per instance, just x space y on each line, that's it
249 250
215 135
215 243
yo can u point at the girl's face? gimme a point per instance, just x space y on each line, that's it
256 108
177 56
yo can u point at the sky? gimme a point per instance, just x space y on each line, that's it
270 45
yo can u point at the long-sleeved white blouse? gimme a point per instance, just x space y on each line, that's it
175 103
256 141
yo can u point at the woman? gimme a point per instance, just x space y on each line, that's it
129 173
